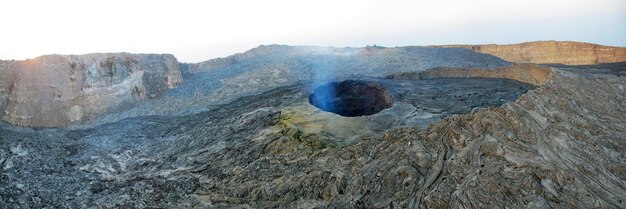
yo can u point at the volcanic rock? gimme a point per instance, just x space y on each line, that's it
465 130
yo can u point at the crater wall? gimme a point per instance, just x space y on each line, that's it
527 73
53 90
551 52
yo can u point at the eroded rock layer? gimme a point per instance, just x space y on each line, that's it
552 52
54 90
527 73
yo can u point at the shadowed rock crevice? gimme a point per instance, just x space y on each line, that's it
351 98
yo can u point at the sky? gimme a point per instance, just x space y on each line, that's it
195 31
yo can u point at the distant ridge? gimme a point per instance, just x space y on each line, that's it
551 52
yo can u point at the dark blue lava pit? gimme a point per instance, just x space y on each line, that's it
351 98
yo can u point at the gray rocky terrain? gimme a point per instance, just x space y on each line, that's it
463 130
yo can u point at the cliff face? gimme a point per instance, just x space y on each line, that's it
7 77
527 73
54 90
551 52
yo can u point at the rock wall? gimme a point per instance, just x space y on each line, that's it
54 90
527 73
7 78
552 52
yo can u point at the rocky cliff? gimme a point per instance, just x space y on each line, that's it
527 73
54 90
551 52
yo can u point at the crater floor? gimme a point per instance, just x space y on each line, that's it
257 151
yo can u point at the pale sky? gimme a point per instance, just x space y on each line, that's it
200 30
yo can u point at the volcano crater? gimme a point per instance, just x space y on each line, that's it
351 98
